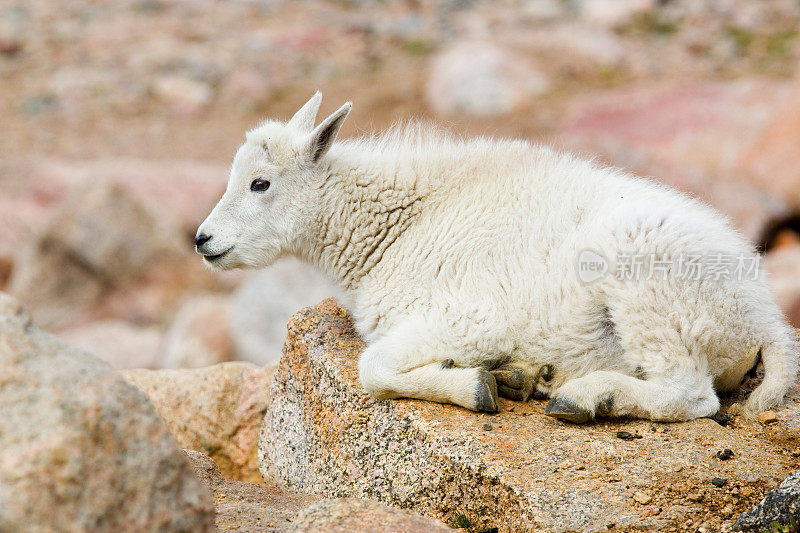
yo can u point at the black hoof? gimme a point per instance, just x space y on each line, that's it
448 363
518 395
510 376
546 373
486 393
566 409
605 405
513 382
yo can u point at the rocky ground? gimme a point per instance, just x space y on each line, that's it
300 447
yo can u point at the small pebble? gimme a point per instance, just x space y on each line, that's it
695 496
487 427
627 435
724 455
719 481
727 510
767 417
642 497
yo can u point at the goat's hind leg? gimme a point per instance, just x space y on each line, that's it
411 364
517 380
677 397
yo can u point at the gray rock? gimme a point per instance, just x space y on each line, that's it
342 515
83 450
104 253
264 303
480 78
247 507
779 505
199 335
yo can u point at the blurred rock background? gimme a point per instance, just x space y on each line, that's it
120 118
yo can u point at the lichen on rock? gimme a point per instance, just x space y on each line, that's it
324 435
780 505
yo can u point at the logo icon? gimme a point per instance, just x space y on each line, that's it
591 266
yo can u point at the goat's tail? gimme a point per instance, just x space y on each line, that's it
779 356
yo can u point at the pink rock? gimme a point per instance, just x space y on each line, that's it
772 159
247 87
181 192
684 136
216 410
690 124
26 200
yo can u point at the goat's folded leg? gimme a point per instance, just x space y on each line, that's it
675 396
399 366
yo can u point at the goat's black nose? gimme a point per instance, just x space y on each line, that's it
201 239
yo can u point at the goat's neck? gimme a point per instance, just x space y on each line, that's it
363 212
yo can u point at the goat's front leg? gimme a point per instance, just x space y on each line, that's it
400 365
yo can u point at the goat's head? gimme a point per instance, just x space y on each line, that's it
269 200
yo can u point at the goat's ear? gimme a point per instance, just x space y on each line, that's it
323 135
303 120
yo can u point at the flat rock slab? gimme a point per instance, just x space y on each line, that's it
518 470
247 507
250 508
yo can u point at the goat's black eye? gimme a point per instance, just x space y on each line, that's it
259 185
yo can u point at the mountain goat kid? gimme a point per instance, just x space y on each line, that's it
478 267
